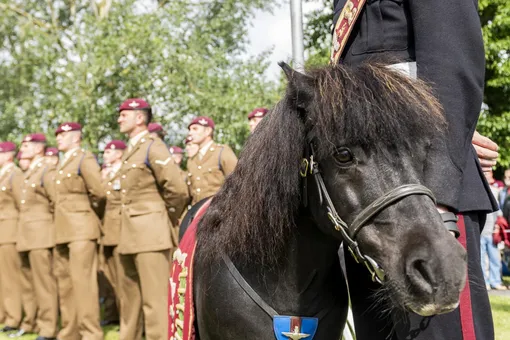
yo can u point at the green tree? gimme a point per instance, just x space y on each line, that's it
76 61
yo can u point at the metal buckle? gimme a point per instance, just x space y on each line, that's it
303 171
375 270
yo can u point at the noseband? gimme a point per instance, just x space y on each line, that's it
349 232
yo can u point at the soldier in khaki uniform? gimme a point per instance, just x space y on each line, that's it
78 195
112 157
36 240
51 155
255 117
212 163
152 197
10 181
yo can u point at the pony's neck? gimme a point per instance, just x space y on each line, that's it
309 276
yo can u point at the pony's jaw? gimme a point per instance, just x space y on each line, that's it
427 273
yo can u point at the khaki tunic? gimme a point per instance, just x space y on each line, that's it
153 196
79 193
9 196
206 175
36 229
112 213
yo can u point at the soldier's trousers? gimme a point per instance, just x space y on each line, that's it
111 272
28 300
471 320
144 287
2 310
10 277
76 271
37 266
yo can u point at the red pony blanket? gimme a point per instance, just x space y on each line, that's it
181 313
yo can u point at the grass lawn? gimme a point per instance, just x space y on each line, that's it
500 311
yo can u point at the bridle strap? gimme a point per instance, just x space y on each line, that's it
385 201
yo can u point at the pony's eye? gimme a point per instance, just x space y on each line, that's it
344 156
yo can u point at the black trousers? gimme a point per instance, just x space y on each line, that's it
471 320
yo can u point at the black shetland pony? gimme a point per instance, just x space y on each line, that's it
342 157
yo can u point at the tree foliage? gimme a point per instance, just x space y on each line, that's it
495 18
79 59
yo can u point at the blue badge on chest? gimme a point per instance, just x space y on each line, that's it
294 327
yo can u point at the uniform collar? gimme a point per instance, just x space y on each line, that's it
70 152
35 162
134 140
6 168
203 150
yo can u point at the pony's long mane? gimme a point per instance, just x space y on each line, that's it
251 217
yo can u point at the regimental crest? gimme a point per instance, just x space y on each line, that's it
202 122
27 139
259 114
67 128
294 327
134 104
113 147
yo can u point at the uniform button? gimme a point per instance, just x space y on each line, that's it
108 192
68 175
171 209
109 183
61 172
4 188
123 191
134 165
199 167
210 170
33 185
189 174
123 176
198 189
58 182
198 178
189 183
125 162
22 201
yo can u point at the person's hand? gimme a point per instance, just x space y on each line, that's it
486 150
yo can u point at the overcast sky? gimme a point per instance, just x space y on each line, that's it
273 31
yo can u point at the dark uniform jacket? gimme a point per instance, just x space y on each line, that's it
445 40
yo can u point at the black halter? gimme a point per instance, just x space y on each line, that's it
349 233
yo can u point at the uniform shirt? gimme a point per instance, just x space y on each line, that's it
10 181
79 195
153 196
415 31
207 174
36 227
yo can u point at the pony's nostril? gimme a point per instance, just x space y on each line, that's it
420 276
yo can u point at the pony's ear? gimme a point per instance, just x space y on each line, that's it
300 85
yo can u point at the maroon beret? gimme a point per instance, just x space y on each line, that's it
154 127
116 145
175 150
66 127
134 104
202 120
51 152
259 112
7 146
188 140
35 137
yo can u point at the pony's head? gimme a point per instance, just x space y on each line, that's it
372 130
